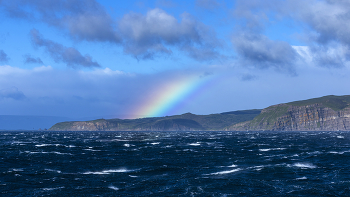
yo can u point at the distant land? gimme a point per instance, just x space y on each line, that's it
328 113
16 122
22 122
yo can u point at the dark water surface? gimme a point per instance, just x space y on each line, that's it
174 163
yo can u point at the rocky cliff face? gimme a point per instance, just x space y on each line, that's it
105 125
184 122
85 125
328 113
288 117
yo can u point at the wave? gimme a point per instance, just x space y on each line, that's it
53 152
122 170
225 172
57 171
195 144
301 178
113 187
17 169
50 189
42 145
91 150
304 165
268 149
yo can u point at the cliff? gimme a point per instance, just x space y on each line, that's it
329 113
184 122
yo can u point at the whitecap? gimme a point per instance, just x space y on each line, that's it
301 178
257 168
195 144
155 143
117 170
113 187
91 150
334 152
121 170
53 152
339 136
264 150
41 145
99 173
268 149
50 170
225 172
49 189
127 145
17 169
304 165
232 166
59 153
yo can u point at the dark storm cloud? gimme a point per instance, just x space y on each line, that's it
31 60
207 4
261 52
152 34
3 56
60 53
12 93
83 20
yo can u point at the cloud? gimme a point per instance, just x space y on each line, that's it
259 51
207 4
3 56
147 36
325 18
69 55
81 19
12 93
142 36
252 15
328 37
252 46
32 60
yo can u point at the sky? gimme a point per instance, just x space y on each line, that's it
134 59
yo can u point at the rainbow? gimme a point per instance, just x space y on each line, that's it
171 96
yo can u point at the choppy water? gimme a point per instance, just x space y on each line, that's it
174 164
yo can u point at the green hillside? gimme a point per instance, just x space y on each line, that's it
334 102
184 121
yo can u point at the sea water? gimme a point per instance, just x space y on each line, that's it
174 163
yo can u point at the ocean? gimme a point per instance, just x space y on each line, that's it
206 163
